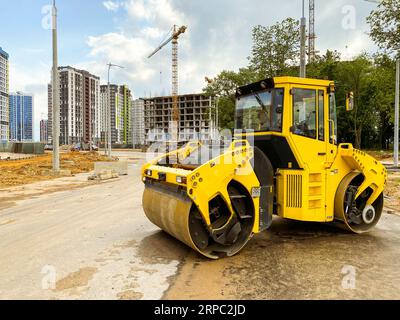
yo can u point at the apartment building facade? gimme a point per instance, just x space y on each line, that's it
138 123
21 117
121 114
4 95
44 132
197 120
79 105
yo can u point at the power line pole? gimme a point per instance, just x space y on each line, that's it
396 115
56 96
303 44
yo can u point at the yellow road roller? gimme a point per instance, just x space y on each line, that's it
284 160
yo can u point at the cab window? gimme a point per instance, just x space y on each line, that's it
332 119
321 116
260 111
305 112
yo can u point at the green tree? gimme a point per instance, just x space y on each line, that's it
223 87
356 76
325 67
275 48
385 25
384 83
385 32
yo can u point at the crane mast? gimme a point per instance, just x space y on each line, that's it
311 36
175 80
175 116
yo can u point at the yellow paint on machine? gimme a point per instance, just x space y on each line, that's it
315 186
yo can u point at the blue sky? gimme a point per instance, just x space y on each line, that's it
94 32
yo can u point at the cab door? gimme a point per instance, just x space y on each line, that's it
331 130
309 135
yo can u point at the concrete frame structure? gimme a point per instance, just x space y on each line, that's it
4 96
197 120
79 106
121 106
21 117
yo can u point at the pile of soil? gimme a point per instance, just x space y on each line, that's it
20 172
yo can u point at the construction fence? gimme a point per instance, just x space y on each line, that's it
22 147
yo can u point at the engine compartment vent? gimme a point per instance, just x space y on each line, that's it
294 194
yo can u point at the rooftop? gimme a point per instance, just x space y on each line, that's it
3 53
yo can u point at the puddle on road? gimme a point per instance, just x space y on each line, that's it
296 260
130 270
160 247
77 279
293 260
130 295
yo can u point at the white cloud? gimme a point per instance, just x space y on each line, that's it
137 9
111 5
152 33
160 12
127 51
148 23
216 39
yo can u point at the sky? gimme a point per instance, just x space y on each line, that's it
93 33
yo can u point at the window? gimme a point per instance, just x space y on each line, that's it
260 111
332 119
321 116
305 112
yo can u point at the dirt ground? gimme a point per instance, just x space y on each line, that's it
392 191
26 171
384 156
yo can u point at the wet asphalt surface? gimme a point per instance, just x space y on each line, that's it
102 246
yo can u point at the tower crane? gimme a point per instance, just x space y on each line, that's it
175 80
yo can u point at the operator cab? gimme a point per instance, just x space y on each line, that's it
281 113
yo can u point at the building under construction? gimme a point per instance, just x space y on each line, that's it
197 118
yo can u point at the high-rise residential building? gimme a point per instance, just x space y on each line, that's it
121 113
21 117
79 105
44 133
197 120
4 96
138 128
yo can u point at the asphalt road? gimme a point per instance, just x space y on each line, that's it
93 241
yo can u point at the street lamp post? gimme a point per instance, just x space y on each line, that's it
56 95
396 115
303 37
109 136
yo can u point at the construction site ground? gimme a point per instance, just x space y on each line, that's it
26 169
69 238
